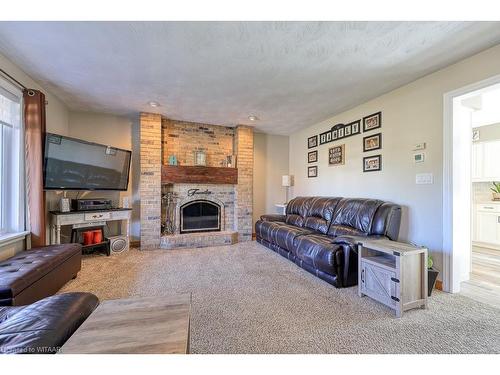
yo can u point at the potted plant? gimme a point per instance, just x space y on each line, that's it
496 190
432 275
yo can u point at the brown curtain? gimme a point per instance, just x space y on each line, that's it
34 125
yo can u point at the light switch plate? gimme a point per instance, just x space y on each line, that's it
424 178
419 146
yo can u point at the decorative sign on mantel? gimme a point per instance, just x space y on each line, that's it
340 131
192 192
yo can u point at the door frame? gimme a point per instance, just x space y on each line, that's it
451 281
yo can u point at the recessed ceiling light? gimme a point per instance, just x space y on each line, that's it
154 104
253 118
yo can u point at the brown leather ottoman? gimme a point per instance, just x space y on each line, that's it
38 273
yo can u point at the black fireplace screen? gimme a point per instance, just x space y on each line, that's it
200 216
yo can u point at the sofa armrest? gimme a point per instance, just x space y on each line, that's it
347 256
273 218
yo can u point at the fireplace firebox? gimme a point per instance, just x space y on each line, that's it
200 216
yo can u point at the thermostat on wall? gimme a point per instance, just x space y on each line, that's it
419 158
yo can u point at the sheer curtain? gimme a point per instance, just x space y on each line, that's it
12 212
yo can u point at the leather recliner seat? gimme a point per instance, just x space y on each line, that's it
321 234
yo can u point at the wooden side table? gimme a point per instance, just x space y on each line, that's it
393 273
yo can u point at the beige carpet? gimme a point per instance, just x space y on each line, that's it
247 299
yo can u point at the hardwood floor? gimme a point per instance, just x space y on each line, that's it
484 283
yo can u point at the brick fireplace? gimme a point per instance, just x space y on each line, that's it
213 195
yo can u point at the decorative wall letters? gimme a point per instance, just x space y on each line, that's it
340 131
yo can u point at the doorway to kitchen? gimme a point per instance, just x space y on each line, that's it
473 267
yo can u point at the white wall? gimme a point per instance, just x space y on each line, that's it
270 163
56 111
411 114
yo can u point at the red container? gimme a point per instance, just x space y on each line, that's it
88 238
97 238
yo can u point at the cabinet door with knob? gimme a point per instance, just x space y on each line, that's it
488 227
393 273
378 283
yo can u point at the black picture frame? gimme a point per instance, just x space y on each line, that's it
378 146
312 141
355 127
312 171
322 138
378 166
368 127
313 155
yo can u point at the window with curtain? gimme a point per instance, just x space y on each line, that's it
12 217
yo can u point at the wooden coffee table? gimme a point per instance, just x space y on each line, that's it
157 325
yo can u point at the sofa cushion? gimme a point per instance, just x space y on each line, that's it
264 229
297 209
22 270
354 216
318 251
44 326
286 234
320 214
387 220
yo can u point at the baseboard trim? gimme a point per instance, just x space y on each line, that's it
135 244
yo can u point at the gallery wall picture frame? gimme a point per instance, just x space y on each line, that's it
372 163
312 171
372 142
312 156
336 155
355 127
338 131
312 141
373 121
347 130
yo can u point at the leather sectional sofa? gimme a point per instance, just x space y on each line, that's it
44 326
321 234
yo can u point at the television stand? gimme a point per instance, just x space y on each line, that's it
86 218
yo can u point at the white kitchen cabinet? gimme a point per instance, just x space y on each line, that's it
477 161
487 224
486 161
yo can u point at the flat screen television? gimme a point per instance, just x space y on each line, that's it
74 164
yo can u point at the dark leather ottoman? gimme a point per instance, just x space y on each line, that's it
44 326
38 273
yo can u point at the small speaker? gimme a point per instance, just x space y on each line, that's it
118 244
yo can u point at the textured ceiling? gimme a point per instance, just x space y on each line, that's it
289 74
